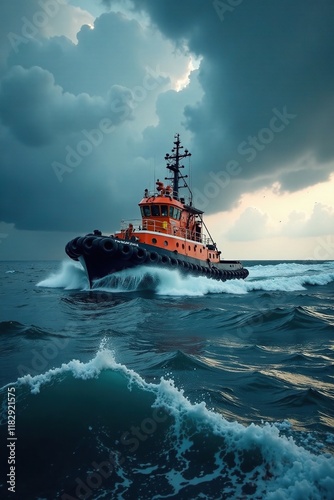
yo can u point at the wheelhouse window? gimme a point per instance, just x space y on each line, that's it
175 213
155 210
145 211
164 211
160 211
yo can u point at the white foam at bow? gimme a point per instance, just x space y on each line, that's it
279 277
70 276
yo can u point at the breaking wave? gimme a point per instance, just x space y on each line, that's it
266 277
135 439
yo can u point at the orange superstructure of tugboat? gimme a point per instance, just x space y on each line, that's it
171 233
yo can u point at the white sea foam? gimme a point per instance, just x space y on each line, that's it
70 276
103 360
280 277
293 472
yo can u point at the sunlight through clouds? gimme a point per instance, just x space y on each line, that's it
101 88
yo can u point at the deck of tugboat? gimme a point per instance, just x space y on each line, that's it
164 236
154 226
139 232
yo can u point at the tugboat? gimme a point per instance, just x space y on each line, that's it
169 234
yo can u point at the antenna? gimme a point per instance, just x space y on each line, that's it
190 178
173 164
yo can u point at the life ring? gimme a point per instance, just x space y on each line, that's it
139 255
126 251
88 244
108 245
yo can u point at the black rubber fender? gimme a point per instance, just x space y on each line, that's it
108 246
154 258
126 251
87 244
139 255
75 245
165 260
70 252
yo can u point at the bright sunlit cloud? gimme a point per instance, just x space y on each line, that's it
291 224
181 83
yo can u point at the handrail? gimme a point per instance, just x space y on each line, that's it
155 194
147 224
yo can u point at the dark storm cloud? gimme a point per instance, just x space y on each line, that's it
260 60
37 110
262 97
24 20
65 158
113 53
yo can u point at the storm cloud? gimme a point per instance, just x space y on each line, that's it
257 57
90 102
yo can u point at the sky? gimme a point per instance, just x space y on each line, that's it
92 93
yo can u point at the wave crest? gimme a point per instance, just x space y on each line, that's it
279 277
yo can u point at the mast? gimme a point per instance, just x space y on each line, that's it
173 164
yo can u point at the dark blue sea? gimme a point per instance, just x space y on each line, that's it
153 386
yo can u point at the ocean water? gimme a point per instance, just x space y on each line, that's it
154 386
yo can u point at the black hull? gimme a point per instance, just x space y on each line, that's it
102 256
